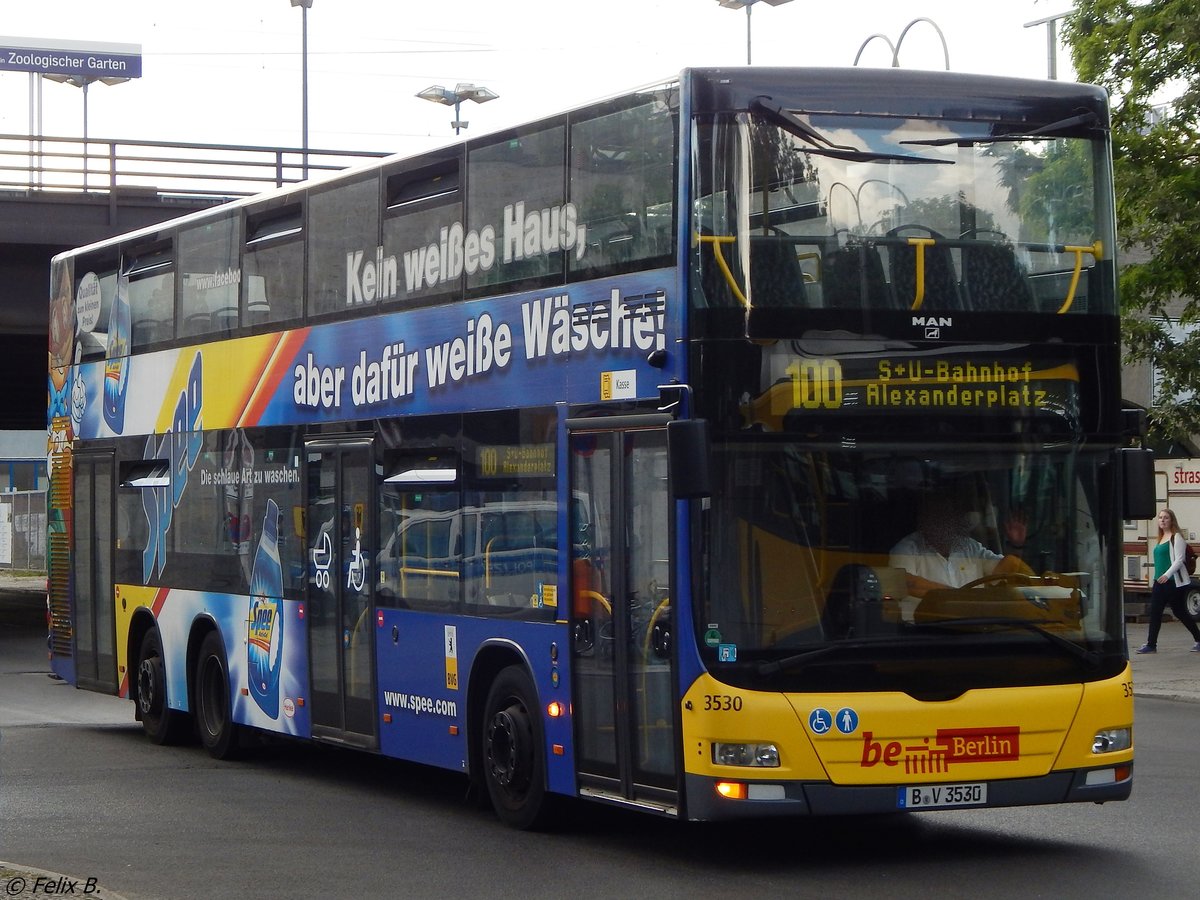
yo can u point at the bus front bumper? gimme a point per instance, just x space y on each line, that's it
816 798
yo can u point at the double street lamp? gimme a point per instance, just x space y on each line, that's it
438 94
738 4
82 81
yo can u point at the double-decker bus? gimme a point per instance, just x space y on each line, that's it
580 457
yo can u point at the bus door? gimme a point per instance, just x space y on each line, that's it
621 651
95 603
339 533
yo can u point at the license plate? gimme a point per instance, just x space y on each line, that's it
939 796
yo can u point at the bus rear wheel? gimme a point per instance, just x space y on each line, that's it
161 724
214 714
513 752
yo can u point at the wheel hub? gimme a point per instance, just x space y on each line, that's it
502 747
148 685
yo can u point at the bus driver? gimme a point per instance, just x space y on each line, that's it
941 554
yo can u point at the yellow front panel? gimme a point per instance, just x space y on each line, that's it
716 712
1105 704
890 738
986 734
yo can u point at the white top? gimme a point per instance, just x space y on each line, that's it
968 560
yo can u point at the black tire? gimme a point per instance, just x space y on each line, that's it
513 750
1191 600
161 724
214 713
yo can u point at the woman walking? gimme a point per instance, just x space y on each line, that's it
1170 580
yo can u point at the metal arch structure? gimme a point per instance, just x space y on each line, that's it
882 37
895 48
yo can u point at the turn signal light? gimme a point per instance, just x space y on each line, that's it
731 790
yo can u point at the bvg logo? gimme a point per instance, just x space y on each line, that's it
180 446
951 745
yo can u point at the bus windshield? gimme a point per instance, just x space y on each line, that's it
825 211
885 567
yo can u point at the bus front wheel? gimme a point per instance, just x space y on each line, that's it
514 762
161 724
1191 600
214 717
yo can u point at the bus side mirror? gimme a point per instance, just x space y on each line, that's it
688 449
1137 480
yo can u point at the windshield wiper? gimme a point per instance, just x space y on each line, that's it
1091 657
823 146
1089 119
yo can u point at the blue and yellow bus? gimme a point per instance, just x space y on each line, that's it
586 458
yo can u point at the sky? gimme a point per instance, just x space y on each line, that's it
229 71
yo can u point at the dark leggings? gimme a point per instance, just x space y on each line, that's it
1162 596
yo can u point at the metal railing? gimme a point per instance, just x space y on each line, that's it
39 163
23 531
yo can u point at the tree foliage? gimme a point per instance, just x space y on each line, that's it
1147 54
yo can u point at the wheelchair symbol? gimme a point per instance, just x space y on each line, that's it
820 721
356 577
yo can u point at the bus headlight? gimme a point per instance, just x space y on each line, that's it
1112 739
756 755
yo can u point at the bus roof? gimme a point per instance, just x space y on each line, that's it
847 91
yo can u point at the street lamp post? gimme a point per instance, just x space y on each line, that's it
438 94
1051 42
738 4
82 81
305 6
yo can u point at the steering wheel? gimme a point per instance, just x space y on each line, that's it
1014 578
1000 578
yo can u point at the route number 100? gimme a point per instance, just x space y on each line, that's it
816 383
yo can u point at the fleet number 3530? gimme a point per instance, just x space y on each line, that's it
723 702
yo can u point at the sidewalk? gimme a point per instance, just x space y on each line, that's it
1173 673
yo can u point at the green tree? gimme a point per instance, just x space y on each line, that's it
1147 53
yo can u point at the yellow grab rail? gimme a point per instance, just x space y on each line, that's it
1097 252
716 241
920 243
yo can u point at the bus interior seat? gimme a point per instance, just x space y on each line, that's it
258 313
775 276
852 278
225 318
196 323
994 279
151 331
941 282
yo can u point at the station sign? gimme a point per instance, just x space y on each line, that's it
84 59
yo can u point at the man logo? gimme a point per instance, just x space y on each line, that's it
933 325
